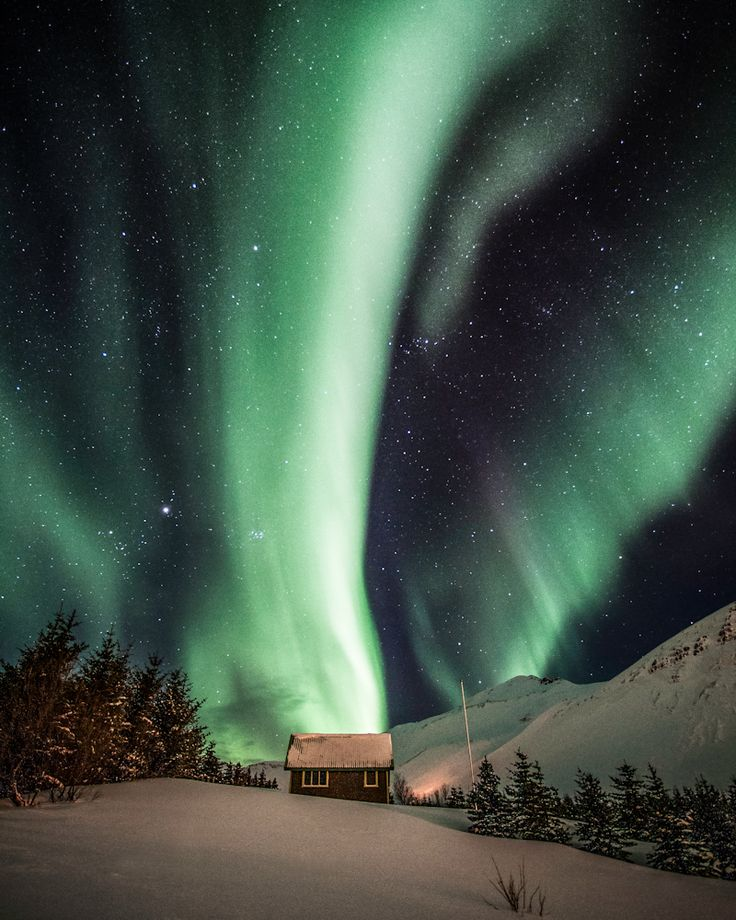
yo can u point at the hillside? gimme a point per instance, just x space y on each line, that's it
434 751
181 850
675 708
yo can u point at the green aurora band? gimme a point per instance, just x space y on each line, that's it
319 238
549 528
344 163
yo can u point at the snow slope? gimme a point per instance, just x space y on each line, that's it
180 850
434 751
675 708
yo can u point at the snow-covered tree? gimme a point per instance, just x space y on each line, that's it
100 690
712 828
488 806
182 740
679 848
731 797
37 714
211 768
657 805
595 824
534 806
144 748
628 798
66 722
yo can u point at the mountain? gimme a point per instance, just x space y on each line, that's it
674 708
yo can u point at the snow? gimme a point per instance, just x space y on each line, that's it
434 751
179 850
354 751
675 708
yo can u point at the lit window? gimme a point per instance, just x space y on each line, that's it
370 777
314 778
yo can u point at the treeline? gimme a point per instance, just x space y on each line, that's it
692 830
235 774
68 720
444 797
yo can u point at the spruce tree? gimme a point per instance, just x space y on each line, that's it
657 805
567 806
488 807
144 747
66 723
679 848
713 829
101 692
595 824
212 767
37 728
544 820
182 741
628 798
731 798
519 792
534 806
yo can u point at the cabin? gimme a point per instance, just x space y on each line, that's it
356 767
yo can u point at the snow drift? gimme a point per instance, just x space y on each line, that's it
181 850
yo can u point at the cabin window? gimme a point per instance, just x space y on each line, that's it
370 778
314 778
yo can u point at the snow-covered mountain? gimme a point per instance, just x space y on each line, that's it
675 708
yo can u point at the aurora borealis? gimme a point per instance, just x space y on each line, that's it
353 349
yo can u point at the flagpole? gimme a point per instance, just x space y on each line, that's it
467 737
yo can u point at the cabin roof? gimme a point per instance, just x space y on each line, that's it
339 752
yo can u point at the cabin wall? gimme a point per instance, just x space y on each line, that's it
344 784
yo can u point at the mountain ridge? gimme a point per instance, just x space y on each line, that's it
674 707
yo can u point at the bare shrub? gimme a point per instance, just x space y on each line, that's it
515 891
403 793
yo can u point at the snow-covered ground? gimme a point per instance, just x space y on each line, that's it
175 850
675 708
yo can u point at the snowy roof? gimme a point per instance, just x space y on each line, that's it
340 752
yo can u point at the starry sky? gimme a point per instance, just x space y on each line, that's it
351 350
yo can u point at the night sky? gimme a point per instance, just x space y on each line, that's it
352 349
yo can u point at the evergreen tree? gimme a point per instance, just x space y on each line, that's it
731 798
546 810
182 740
488 807
455 798
679 849
37 715
101 691
212 767
595 823
519 791
628 799
657 805
64 724
534 806
567 806
713 829
144 747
